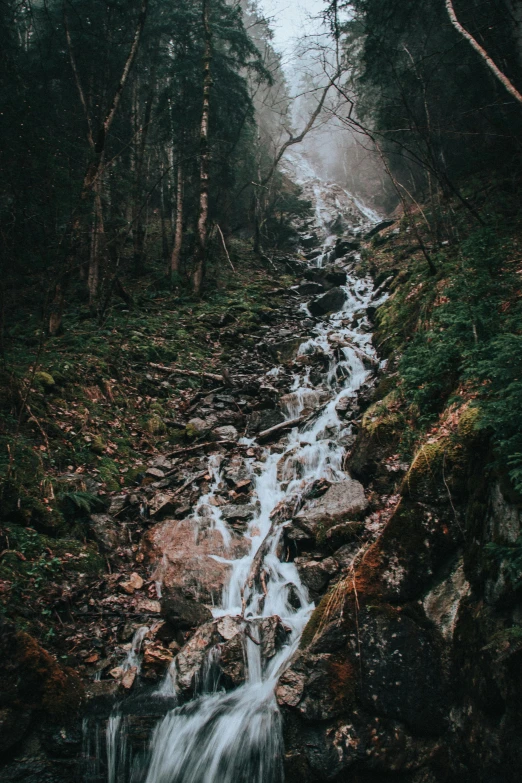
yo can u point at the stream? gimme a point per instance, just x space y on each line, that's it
233 736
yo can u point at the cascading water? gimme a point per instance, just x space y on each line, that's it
235 737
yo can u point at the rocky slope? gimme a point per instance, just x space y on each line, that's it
408 669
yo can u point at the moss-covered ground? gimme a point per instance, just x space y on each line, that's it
80 414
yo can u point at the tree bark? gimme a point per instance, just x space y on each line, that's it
503 79
202 229
178 232
97 243
94 173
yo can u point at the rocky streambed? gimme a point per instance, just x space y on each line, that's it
245 535
289 597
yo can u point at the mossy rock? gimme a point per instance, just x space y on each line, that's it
155 425
44 381
315 622
35 681
435 467
469 426
383 417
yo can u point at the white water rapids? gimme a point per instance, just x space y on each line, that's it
236 736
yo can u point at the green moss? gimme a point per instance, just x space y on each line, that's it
45 381
433 467
384 417
98 445
314 623
155 425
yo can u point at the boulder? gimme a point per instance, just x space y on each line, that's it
330 302
184 556
284 350
341 502
379 227
237 515
308 240
227 432
310 289
156 661
183 612
162 505
328 276
315 576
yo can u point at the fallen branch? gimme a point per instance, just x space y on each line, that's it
189 449
285 425
211 376
187 483
225 247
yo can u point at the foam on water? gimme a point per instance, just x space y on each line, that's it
235 737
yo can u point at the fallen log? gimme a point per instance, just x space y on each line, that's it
284 425
211 376
189 449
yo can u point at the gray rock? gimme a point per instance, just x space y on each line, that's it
284 350
107 532
235 514
341 502
331 302
182 611
226 432
310 289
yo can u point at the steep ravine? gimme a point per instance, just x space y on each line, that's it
294 597
278 522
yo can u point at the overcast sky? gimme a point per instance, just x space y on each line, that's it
290 19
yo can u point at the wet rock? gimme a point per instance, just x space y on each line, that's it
272 633
183 612
331 302
310 289
342 501
237 514
226 432
183 554
128 678
379 227
327 276
156 661
284 350
235 471
345 245
316 575
308 240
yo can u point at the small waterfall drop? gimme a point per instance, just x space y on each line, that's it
235 736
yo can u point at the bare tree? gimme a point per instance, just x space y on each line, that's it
202 231
503 79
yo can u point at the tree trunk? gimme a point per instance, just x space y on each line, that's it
503 79
202 229
178 234
97 243
139 232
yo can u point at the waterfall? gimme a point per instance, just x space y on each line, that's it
235 737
